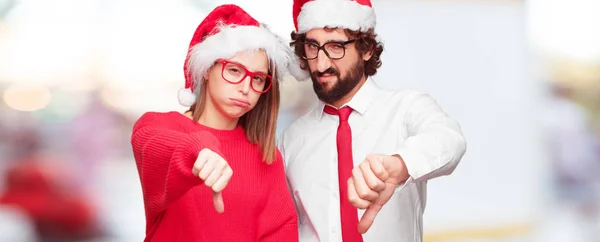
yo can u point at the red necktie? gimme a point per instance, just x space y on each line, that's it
348 213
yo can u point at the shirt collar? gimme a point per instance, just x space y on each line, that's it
359 103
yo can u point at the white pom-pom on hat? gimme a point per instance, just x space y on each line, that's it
298 73
186 97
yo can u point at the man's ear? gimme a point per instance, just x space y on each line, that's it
368 54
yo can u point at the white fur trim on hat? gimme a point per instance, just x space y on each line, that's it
335 14
231 40
298 73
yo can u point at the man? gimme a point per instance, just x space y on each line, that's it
358 164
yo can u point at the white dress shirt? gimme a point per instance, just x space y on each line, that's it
407 123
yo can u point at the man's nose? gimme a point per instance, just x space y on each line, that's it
323 61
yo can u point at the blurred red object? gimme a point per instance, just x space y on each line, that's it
40 190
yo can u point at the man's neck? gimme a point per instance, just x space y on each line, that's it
350 95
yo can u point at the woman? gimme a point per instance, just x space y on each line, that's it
213 173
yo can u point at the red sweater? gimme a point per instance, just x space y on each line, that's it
179 207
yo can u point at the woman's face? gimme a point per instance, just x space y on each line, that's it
234 85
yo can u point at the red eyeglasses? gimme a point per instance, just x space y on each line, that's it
235 73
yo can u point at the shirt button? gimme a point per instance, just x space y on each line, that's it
334 194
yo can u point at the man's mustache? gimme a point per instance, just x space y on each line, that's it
329 71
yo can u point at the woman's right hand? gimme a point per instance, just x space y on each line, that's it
215 172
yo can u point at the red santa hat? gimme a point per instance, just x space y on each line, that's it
348 14
226 31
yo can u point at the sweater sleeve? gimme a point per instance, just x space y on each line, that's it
279 220
164 158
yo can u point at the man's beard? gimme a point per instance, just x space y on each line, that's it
342 86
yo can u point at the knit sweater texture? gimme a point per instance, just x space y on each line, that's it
179 207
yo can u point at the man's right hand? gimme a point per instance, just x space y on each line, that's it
215 172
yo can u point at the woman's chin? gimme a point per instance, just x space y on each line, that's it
235 113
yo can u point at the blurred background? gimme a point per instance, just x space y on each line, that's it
522 78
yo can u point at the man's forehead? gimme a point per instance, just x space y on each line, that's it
324 35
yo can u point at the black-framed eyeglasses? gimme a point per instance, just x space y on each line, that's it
334 50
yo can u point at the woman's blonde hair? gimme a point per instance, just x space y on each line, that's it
260 123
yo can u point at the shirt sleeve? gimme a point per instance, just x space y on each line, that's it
435 144
279 143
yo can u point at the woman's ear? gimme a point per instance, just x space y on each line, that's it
205 75
208 71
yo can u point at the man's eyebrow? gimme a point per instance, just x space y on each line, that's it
328 41
311 40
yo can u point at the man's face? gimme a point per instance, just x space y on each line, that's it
333 78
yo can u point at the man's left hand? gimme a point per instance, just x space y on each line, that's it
373 183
